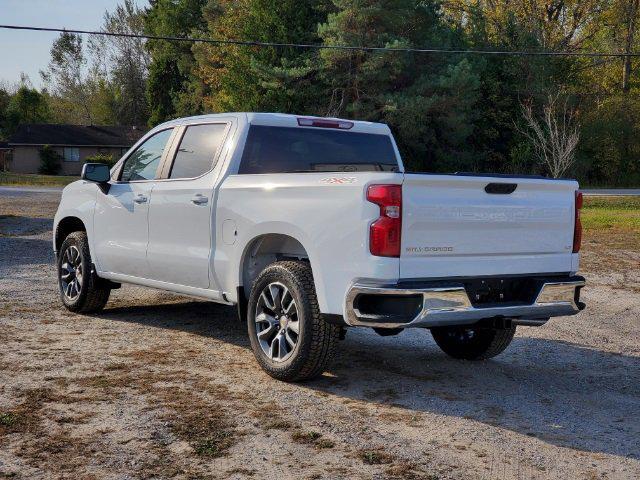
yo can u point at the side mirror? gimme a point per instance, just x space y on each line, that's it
97 173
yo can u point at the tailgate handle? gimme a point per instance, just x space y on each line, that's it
501 188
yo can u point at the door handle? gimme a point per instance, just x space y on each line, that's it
199 199
140 198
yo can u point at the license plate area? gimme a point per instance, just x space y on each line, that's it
491 292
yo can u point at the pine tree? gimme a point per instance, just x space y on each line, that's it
279 79
173 86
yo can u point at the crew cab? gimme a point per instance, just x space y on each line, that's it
311 225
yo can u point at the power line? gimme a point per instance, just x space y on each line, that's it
521 53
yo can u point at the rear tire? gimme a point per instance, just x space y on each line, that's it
80 289
289 337
473 342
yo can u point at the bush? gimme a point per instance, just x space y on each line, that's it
102 158
49 161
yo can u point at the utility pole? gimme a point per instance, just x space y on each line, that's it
631 26
632 11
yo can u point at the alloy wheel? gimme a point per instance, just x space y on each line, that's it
277 323
71 272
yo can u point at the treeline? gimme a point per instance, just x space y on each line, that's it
551 115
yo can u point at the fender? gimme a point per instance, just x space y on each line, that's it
236 262
78 200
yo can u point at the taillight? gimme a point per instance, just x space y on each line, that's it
384 233
577 228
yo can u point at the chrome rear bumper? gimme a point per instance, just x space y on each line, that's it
450 305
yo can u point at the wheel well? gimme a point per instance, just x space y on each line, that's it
66 226
265 250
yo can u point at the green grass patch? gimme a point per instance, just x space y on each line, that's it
375 457
214 446
28 179
306 437
325 443
619 203
312 438
611 214
8 419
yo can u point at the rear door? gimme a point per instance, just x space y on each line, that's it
120 219
457 225
180 215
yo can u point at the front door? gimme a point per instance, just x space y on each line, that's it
180 216
121 230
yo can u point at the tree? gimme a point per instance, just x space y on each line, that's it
610 149
629 15
359 80
67 76
173 86
434 120
121 65
27 105
49 161
427 100
448 112
555 136
106 82
5 98
279 79
552 24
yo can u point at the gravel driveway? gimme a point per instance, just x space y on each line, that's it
160 386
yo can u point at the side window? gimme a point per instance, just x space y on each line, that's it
198 150
143 163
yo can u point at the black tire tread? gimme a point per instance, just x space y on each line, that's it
492 342
322 346
95 297
499 344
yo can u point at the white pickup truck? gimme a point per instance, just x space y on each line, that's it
311 225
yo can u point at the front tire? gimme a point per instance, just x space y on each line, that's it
473 342
289 338
80 289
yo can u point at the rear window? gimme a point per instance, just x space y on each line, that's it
289 150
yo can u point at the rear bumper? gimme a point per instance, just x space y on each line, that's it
442 303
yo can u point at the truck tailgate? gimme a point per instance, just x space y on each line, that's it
452 227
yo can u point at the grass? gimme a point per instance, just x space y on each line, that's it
25 417
611 213
306 437
28 179
376 457
611 230
8 419
205 426
312 438
612 221
215 445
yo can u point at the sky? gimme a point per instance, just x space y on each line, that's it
28 52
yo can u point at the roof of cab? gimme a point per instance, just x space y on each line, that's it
282 120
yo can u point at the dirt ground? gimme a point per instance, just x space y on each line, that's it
159 386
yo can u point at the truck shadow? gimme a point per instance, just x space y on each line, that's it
559 392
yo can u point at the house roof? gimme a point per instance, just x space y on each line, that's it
76 135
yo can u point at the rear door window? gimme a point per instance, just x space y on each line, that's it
290 149
198 150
